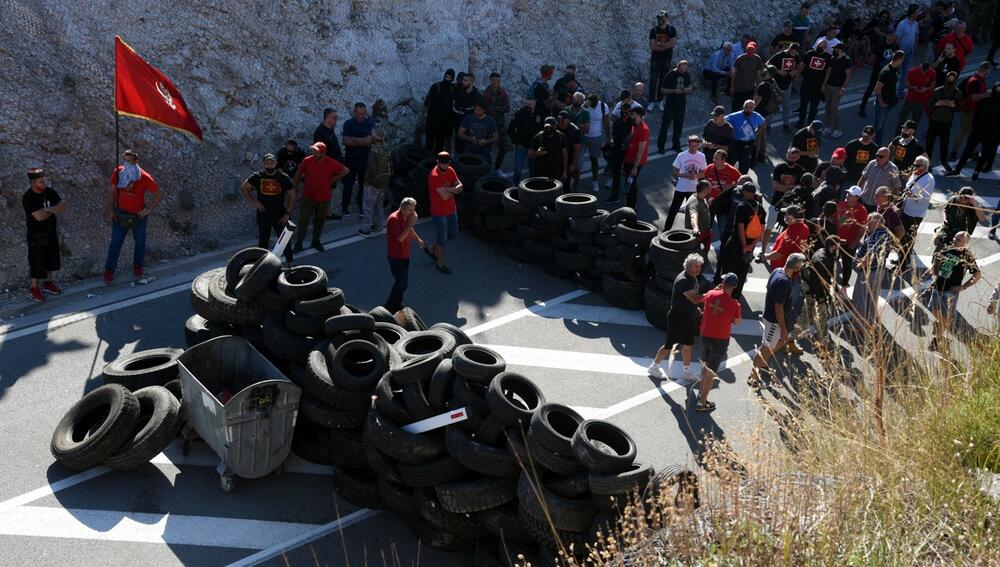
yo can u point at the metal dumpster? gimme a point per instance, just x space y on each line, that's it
252 430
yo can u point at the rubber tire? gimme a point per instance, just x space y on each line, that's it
489 191
410 320
238 261
347 323
310 441
398 497
104 437
263 272
622 292
347 448
382 315
657 304
421 343
616 216
461 338
685 479
357 487
539 191
513 399
572 261
512 205
389 400
416 369
617 484
442 385
603 447
636 232
504 522
159 417
305 325
153 367
391 332
547 460
325 305
476 495
553 426
284 344
199 292
328 416
434 513
368 374
225 308
302 282
572 205
431 473
564 513
472 396
479 457
477 363
405 447
538 249
415 401
588 225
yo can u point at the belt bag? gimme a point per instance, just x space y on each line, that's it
126 219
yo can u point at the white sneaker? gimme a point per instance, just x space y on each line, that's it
595 187
689 376
656 371
663 105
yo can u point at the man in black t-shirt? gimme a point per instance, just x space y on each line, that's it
438 104
784 39
289 158
949 267
859 153
841 67
814 76
683 318
886 96
807 140
464 104
41 205
905 148
274 201
548 151
946 62
326 132
662 39
573 140
675 88
788 63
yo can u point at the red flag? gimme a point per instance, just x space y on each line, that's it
142 91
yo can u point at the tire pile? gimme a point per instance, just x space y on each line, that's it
666 258
412 164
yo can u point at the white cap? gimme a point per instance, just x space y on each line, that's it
854 191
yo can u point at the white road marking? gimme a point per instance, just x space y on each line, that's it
928 227
616 316
56 486
170 529
318 532
940 198
538 306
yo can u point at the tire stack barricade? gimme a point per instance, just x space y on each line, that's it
470 168
666 258
405 159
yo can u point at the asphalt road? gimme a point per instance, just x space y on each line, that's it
581 351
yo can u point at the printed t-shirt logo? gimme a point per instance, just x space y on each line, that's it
900 152
715 306
662 36
787 179
948 265
817 63
787 63
812 144
270 187
863 156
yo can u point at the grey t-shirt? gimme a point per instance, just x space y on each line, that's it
695 205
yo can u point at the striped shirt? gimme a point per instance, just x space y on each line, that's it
874 177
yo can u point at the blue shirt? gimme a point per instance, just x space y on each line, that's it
355 129
779 290
906 34
720 61
745 127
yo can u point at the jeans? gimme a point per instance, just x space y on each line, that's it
118 233
743 155
808 103
903 70
833 107
881 120
910 110
374 215
673 113
315 212
847 263
786 106
520 160
400 268
632 191
616 166
658 69
358 166
446 227
266 224
942 303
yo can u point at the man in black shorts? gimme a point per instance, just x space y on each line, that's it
682 319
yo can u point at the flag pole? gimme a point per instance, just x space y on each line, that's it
115 86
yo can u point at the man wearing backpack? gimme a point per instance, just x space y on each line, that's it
748 226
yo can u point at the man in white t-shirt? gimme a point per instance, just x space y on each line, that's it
830 38
916 200
597 131
689 167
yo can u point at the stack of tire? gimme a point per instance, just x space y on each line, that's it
528 240
624 264
490 221
666 258
470 168
407 159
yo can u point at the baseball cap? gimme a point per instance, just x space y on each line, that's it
910 124
270 157
719 111
550 120
564 114
817 124
749 187
854 191
794 210
840 153
869 129
730 279
319 147
752 46
35 173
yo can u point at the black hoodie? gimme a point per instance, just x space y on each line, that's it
439 98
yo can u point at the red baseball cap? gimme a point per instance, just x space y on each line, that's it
840 153
319 147
752 46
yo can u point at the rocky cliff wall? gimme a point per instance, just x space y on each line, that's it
256 73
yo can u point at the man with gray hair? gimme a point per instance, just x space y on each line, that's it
776 321
399 234
916 200
682 319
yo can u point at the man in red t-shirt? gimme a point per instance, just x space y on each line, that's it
400 233
127 210
722 176
961 40
721 313
794 238
852 219
321 172
975 89
635 157
919 82
442 186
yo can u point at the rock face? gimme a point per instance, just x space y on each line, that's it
255 73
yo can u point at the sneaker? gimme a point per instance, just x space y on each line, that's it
656 371
689 376
951 172
137 270
318 245
37 295
993 234
109 276
594 187
364 232
51 288
444 270
298 246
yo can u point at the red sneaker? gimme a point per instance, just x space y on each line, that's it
51 288
109 276
37 295
137 270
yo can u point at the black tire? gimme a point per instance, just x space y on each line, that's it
405 447
357 365
539 191
504 522
382 464
570 486
622 292
437 538
657 303
347 448
240 260
357 487
518 449
421 343
468 165
153 367
199 292
585 282
573 205
391 332
284 344
617 484
159 414
198 330
328 416
398 497
572 261
512 204
674 483
442 382
271 300
541 532
489 191
431 473
310 441
621 252
678 239
460 337
415 401
553 426
416 369
538 249
517 253
174 387
302 282
434 513
581 239
325 305
305 325
347 323
225 308
477 363
499 222
382 315
513 399
635 232
565 513
547 460
472 396
261 274
479 457
467 496
588 225
616 216
389 400
550 268
603 447
95 427
410 320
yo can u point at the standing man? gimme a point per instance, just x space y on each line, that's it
859 153
879 60
821 279
400 232
919 83
985 133
358 140
830 39
807 140
464 104
675 88
766 98
320 173
814 78
521 130
442 186
718 134
41 205
746 75
961 40
851 221
274 201
438 104
635 158
697 217
841 67
745 125
638 98
777 305
907 32
944 102
598 132
789 66
574 145
801 24
904 148
289 158
479 131
736 252
688 168
548 151
682 320
962 212
879 172
719 68
794 239
721 314
722 178
946 62
886 95
497 106
377 176
326 132
916 200
621 138
127 210
949 268
662 39
974 91
541 92
870 261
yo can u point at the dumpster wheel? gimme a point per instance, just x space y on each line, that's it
226 482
